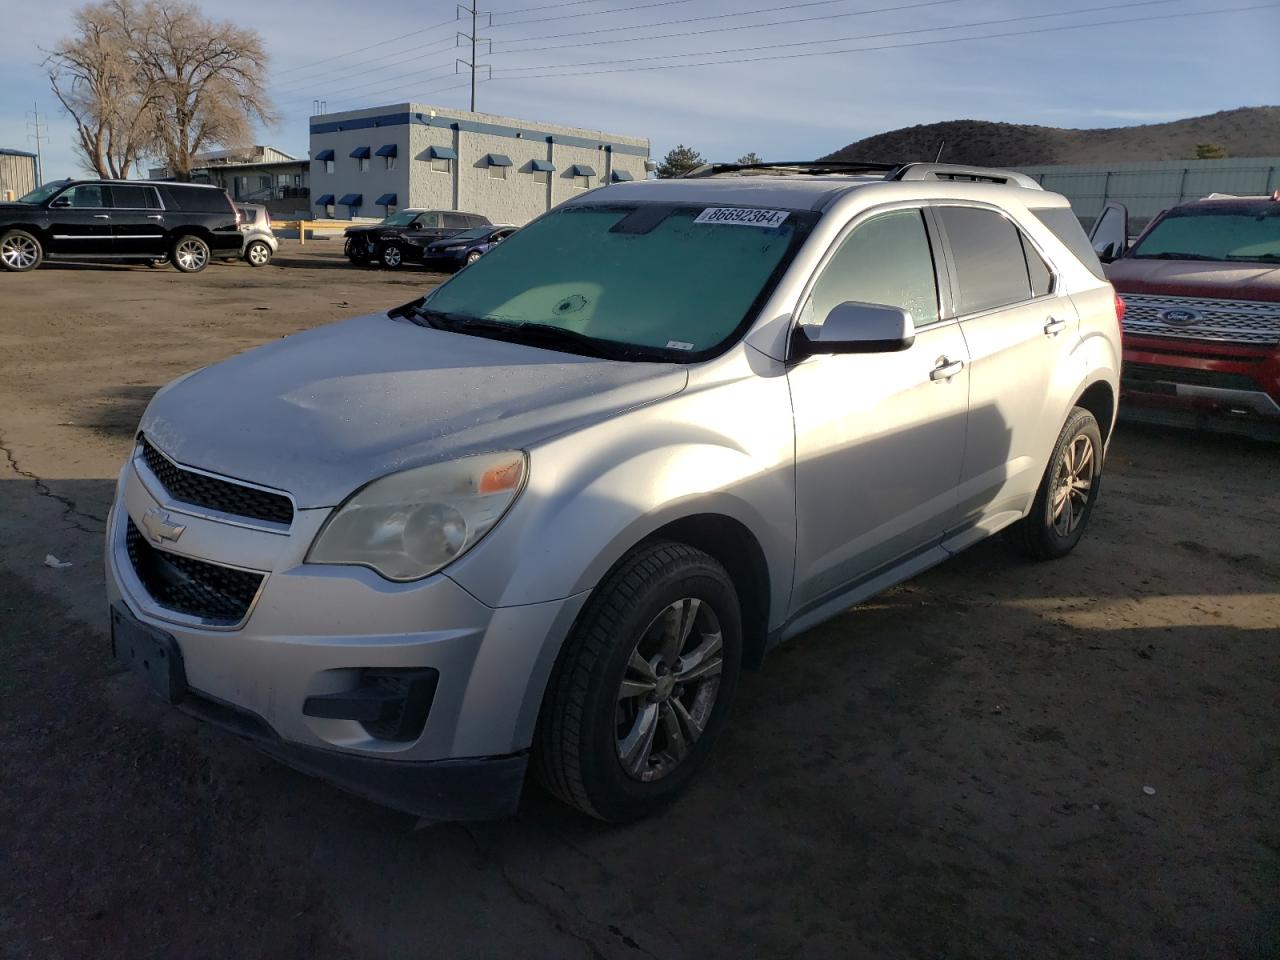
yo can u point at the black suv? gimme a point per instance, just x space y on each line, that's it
403 236
184 223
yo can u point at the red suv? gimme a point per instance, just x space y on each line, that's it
1202 325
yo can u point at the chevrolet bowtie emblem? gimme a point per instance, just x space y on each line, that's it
160 526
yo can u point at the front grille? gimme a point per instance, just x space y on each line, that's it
1146 375
1225 321
223 495
212 593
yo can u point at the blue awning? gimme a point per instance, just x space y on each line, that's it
621 176
386 200
360 153
387 150
352 200
324 155
499 160
444 153
544 165
582 170
325 200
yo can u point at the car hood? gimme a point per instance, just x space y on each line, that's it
1196 278
323 412
371 228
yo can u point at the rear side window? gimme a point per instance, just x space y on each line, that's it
886 261
1062 221
200 199
134 198
1039 272
986 250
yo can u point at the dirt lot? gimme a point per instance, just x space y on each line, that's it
956 770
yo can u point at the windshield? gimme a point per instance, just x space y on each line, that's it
1246 234
41 194
646 276
475 233
401 218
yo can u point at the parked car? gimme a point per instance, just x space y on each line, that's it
260 243
1202 325
404 235
186 223
465 247
542 517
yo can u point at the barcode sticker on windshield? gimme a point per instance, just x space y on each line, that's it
679 345
742 217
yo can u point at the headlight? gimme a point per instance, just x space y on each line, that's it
409 525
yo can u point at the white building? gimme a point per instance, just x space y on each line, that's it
366 163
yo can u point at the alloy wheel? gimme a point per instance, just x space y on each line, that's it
19 253
391 256
259 254
1072 485
669 689
191 255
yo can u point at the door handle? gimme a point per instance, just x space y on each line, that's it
1054 326
155 216
102 216
946 369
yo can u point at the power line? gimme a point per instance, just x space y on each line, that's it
377 63
865 36
596 13
750 26
339 56
899 46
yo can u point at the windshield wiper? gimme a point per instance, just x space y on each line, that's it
532 334
1171 256
1254 257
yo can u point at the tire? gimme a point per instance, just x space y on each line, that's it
391 256
473 256
20 251
190 254
1055 524
258 254
349 248
591 729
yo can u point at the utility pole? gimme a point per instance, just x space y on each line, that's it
38 132
474 39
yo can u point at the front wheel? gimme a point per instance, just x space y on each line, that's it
473 256
1067 494
392 256
258 254
20 251
643 684
190 254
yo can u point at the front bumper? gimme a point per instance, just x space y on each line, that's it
312 630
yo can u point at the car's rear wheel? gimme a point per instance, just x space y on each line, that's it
1068 491
20 251
392 256
643 684
258 254
190 254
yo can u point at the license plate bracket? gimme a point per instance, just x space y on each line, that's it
150 653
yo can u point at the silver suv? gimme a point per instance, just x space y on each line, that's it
543 516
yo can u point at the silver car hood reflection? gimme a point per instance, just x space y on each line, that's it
323 412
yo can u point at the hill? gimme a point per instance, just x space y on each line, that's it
1244 132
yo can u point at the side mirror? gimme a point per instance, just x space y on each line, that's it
62 201
1107 252
853 327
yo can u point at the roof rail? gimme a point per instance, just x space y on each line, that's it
955 171
815 167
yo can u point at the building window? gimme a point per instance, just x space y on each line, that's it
328 211
441 165
582 182
364 164
328 166
391 208
542 176
391 161
497 173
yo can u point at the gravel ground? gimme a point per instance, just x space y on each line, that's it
957 769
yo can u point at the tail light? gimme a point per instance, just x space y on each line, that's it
1120 308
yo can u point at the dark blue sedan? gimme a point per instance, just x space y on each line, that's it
454 253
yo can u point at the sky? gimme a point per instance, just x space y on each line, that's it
790 90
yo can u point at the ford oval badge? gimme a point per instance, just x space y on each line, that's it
1179 316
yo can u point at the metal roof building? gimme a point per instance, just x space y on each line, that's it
365 163
17 173
1147 188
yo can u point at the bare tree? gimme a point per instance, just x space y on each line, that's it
94 79
158 78
209 78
